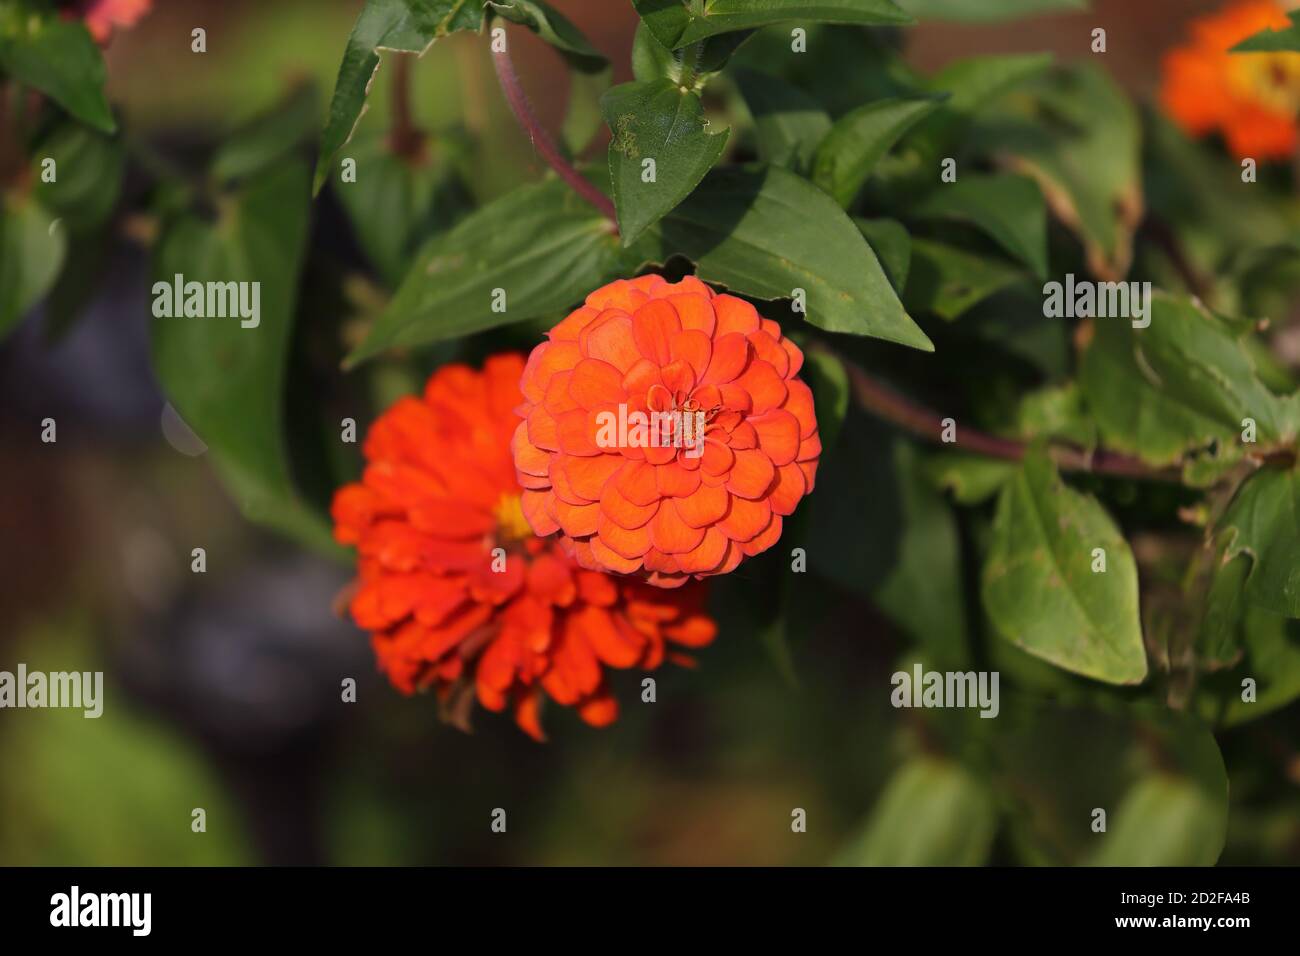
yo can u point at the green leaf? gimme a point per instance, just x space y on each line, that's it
1269 649
788 123
675 24
1263 521
972 479
1063 762
765 232
1039 587
857 141
399 26
88 167
976 82
1081 142
932 813
1273 41
655 121
892 244
32 249
1183 384
1164 820
56 55
651 60
948 281
582 119
556 29
397 202
268 136
227 381
542 245
1008 208
983 11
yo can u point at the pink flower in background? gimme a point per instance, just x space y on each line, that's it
102 17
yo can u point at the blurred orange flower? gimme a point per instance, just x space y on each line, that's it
102 17
458 593
1252 98
737 452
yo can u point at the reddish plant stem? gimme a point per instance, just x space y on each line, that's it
404 137
542 140
883 402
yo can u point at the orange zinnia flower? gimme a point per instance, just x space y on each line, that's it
1253 98
457 592
737 452
102 17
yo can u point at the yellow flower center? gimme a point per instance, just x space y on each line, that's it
1270 79
511 523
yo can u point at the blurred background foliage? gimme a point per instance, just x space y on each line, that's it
223 689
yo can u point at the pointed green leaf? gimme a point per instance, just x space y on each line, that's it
56 55
1183 384
765 232
1039 587
948 281
932 813
676 23
227 381
892 244
857 141
788 123
659 150
541 245
1263 521
399 26
1008 208
555 28
32 250
1273 41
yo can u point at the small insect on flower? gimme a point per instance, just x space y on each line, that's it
459 594
666 431
1253 99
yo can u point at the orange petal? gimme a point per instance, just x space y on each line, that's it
751 475
787 490
734 315
535 512
589 476
695 348
596 383
576 433
621 511
578 521
670 534
707 555
765 387
769 350
696 312
702 508
778 435
654 326
674 481
730 353
609 338
528 457
717 458
764 539
637 483
745 519
628 543
610 560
